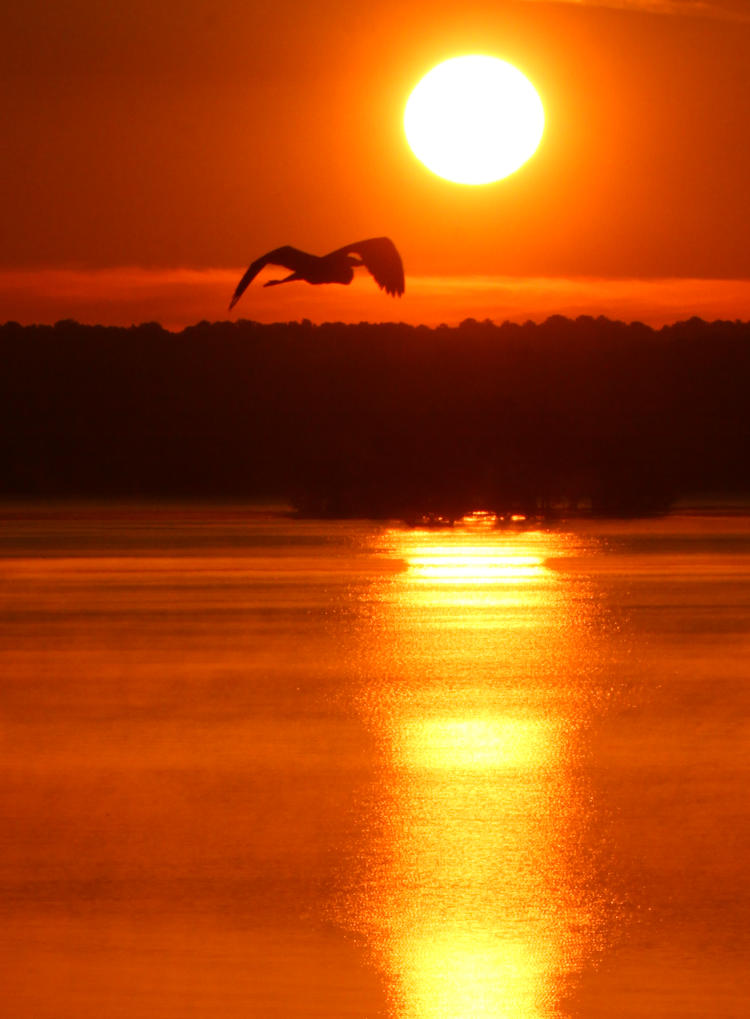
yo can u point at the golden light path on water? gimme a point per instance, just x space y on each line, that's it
479 664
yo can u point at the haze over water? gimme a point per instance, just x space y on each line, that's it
255 766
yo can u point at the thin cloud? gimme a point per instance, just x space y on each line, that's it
180 297
725 10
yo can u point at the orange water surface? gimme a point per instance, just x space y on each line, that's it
262 767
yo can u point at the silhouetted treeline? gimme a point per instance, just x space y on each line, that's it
379 419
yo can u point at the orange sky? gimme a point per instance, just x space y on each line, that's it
181 141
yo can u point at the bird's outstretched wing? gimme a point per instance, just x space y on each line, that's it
288 257
380 256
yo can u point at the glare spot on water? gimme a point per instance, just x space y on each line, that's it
455 973
477 743
472 565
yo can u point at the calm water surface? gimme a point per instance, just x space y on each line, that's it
254 766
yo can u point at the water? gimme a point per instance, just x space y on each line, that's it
255 766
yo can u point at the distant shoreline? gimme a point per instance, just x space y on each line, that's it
243 324
381 421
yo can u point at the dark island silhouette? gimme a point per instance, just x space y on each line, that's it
380 420
377 254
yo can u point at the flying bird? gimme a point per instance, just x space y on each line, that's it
378 254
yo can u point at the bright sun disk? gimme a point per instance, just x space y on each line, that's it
474 119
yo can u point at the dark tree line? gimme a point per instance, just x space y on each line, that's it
379 419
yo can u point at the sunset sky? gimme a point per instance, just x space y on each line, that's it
152 150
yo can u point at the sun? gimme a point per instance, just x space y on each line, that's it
474 119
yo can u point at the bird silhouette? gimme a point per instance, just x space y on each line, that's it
378 254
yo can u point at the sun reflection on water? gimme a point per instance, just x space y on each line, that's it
477 656
479 743
456 974
472 564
